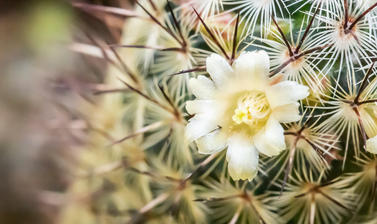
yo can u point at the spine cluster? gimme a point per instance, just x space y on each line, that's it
138 166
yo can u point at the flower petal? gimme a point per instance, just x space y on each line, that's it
200 106
372 145
219 69
255 64
199 126
287 113
286 92
202 87
242 157
212 142
270 141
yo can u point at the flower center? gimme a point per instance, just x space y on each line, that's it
252 108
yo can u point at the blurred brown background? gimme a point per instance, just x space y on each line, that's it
41 85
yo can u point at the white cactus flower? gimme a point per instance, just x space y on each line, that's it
241 108
372 145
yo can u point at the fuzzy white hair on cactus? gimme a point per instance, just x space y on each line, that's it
241 108
372 145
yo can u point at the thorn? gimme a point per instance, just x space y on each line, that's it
105 9
283 36
201 68
158 23
345 14
362 16
177 25
146 97
364 83
146 47
137 133
153 5
212 35
361 126
235 39
307 29
290 163
124 67
167 98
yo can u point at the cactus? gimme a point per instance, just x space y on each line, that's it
224 111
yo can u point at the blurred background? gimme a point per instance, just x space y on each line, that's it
42 82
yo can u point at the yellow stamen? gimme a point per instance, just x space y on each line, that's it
252 108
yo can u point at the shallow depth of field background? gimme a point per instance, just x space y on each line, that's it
40 84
